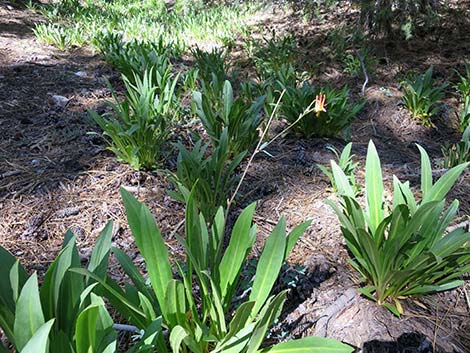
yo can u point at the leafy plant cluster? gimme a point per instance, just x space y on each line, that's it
421 95
182 307
457 153
463 89
148 21
383 17
137 128
136 56
61 37
401 248
332 114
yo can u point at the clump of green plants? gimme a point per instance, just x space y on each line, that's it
457 153
194 299
331 115
347 165
210 173
421 96
353 65
61 37
463 88
238 117
138 127
149 20
63 314
274 53
381 17
212 65
402 249
136 57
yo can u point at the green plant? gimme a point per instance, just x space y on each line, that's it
421 97
211 176
137 128
353 66
345 162
332 118
402 249
379 17
196 305
238 117
63 315
211 65
464 120
136 57
61 37
457 153
463 88
274 53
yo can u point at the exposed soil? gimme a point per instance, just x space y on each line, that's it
55 176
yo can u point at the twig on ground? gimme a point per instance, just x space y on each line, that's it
9 174
364 71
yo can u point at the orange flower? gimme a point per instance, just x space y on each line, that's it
320 104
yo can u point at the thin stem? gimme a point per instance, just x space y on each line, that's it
261 146
255 152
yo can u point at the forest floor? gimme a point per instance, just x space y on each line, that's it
55 176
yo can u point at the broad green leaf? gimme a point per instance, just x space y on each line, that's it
131 270
175 304
228 101
150 243
100 254
7 291
147 307
440 189
51 285
28 316
294 235
265 320
39 342
374 188
113 294
235 254
85 330
216 310
237 342
269 265
177 335
426 171
309 345
240 319
342 183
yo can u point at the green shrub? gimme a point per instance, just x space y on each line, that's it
211 175
402 249
464 120
137 128
463 88
62 315
353 66
345 162
421 97
136 57
457 153
238 117
61 37
211 65
196 305
271 88
328 120
274 53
